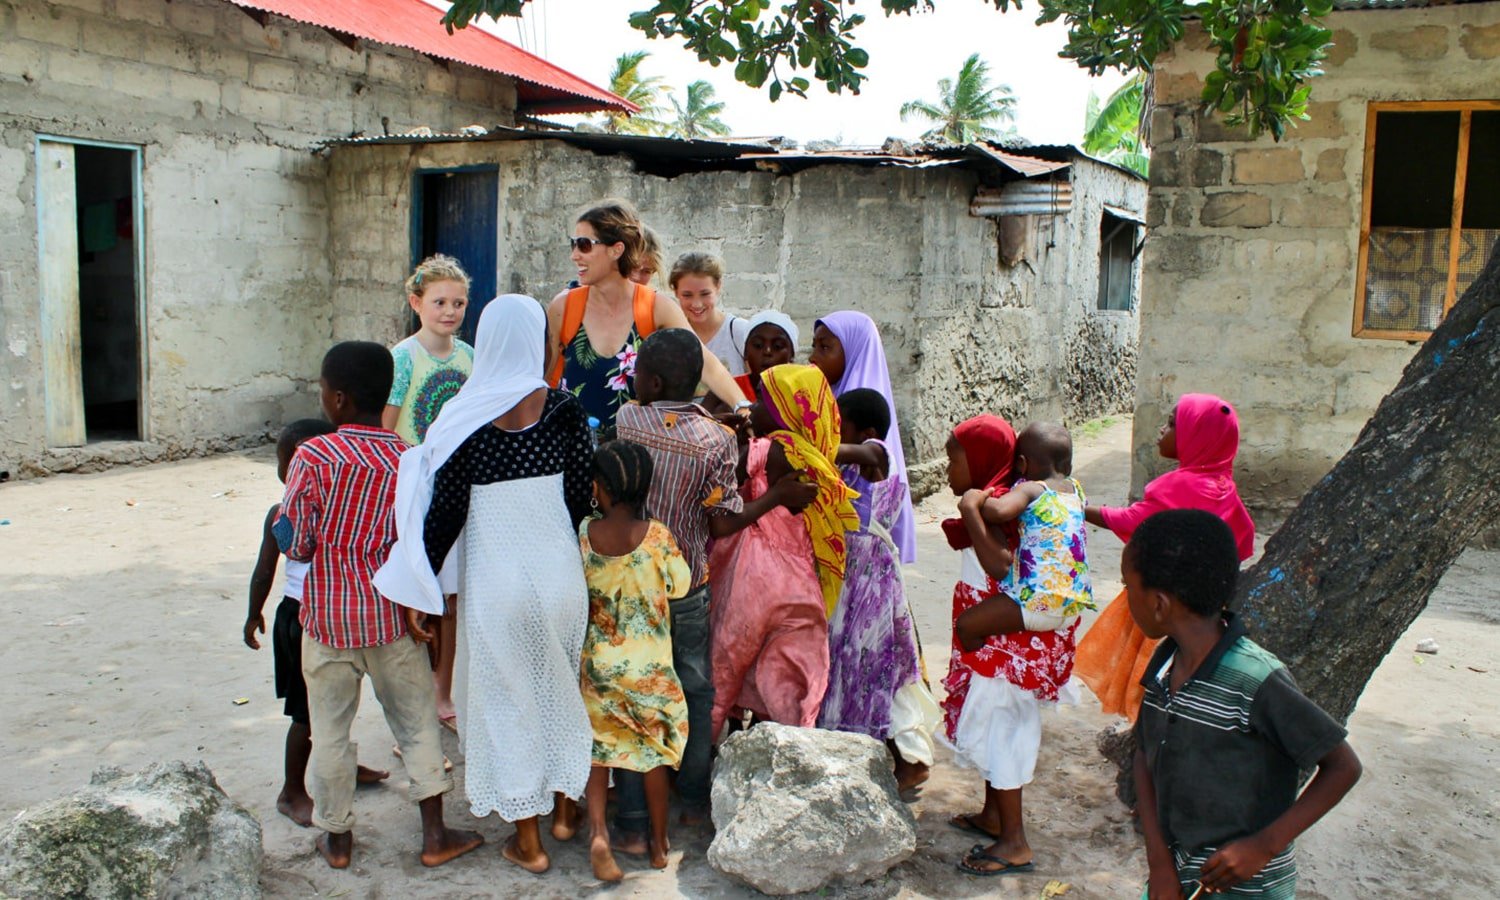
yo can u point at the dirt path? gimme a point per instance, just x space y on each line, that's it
123 598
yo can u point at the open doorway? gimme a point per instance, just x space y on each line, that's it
89 203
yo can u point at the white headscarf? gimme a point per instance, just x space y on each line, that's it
509 352
777 318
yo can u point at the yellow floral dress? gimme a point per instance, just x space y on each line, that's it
635 702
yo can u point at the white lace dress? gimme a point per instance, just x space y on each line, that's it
517 497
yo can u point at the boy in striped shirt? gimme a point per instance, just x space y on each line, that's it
338 515
1224 731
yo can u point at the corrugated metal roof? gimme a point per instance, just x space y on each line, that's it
672 156
541 87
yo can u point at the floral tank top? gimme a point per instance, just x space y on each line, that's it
1051 569
602 384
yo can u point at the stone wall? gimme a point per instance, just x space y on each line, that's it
1250 271
236 212
962 332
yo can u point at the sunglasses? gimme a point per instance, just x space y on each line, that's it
584 244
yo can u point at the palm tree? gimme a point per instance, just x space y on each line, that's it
700 115
1112 131
626 81
967 110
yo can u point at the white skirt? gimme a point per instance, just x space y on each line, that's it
522 610
1000 731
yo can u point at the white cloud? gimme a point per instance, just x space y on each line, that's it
908 54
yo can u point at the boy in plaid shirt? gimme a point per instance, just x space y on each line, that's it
338 515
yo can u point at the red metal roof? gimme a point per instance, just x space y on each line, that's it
541 87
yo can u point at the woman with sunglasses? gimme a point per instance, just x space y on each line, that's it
593 330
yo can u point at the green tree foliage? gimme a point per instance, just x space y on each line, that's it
967 109
699 116
1266 50
626 81
1112 130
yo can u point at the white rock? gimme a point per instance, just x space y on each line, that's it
167 831
1427 645
798 809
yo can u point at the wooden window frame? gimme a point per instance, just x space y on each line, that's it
1465 109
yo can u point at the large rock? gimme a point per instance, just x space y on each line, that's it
797 809
167 831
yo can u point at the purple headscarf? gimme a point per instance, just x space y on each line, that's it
864 367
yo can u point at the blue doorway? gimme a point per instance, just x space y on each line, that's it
455 211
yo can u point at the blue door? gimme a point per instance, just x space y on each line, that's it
457 214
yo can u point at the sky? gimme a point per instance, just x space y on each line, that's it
908 54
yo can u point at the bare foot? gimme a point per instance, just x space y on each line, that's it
976 824
367 775
536 865
336 849
298 808
450 846
659 854
910 775
446 710
603 861
565 820
633 843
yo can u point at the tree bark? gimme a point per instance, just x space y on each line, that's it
1358 558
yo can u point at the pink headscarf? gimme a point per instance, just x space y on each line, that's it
1208 437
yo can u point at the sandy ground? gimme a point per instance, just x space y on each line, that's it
123 595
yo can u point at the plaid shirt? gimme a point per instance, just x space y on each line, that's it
693 461
338 513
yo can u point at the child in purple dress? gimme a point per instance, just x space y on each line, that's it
876 682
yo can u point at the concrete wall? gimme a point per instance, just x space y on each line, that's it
1250 271
962 332
236 231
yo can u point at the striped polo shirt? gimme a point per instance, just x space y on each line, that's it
1226 751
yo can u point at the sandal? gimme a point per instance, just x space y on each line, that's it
977 854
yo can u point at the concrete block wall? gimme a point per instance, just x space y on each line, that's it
237 277
962 333
1250 270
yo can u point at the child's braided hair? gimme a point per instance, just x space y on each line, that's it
623 469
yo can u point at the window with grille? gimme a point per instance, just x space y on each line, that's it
1431 212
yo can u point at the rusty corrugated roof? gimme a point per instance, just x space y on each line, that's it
541 87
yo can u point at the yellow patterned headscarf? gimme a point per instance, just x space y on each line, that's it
799 399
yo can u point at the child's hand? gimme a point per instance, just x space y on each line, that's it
1164 884
973 499
416 623
252 625
1235 862
794 493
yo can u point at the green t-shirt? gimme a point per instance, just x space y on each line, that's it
424 383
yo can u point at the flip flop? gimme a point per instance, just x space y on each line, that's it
966 823
449 722
1007 867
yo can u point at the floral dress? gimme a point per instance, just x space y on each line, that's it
602 384
634 699
873 646
1051 571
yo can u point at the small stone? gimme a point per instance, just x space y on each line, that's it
1428 646
799 809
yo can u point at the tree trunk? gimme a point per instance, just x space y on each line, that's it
1357 559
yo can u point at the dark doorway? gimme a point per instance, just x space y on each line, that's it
457 214
109 330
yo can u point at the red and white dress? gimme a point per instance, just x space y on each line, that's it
992 712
